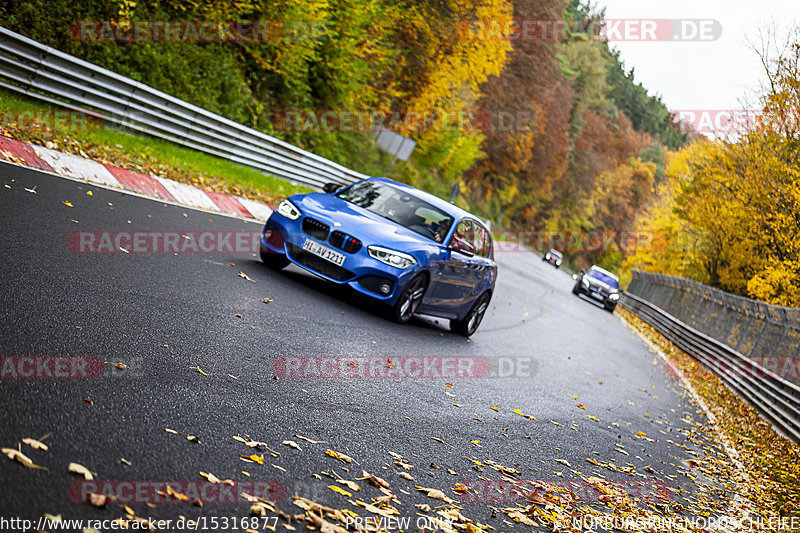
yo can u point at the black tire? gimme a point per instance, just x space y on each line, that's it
472 321
409 300
274 261
610 308
576 289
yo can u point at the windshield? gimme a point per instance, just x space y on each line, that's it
605 278
400 207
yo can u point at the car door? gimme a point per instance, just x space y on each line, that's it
453 279
483 265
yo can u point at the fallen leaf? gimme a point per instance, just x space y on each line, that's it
340 490
16 455
292 444
309 440
193 438
98 500
340 456
171 431
352 485
68 204
254 458
245 276
211 478
198 369
35 444
81 470
434 493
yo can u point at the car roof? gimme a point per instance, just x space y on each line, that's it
554 251
451 209
604 271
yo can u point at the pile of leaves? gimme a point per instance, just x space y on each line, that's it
771 460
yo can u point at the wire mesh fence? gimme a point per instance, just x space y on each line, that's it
768 334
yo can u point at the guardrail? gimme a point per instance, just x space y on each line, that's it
47 74
775 397
755 329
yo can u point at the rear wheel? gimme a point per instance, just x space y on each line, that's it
610 307
577 288
409 299
472 321
274 261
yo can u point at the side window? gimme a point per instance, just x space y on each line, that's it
463 237
486 246
478 238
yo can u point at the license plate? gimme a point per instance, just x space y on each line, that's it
324 252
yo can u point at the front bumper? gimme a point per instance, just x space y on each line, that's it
600 295
359 271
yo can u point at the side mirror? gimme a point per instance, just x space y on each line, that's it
331 187
460 246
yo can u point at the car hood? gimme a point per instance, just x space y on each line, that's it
369 227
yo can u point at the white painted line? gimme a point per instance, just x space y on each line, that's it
186 194
77 167
259 211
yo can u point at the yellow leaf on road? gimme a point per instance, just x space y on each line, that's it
342 457
16 455
340 490
35 444
75 468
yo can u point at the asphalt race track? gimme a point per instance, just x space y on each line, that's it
166 317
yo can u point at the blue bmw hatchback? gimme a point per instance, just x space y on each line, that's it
396 244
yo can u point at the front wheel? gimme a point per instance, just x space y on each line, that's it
576 289
409 299
610 307
470 324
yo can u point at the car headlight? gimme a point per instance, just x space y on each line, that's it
614 297
585 282
558 263
391 257
287 209
547 256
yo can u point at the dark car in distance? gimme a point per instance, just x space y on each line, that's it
599 284
553 257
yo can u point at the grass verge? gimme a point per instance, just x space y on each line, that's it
32 121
